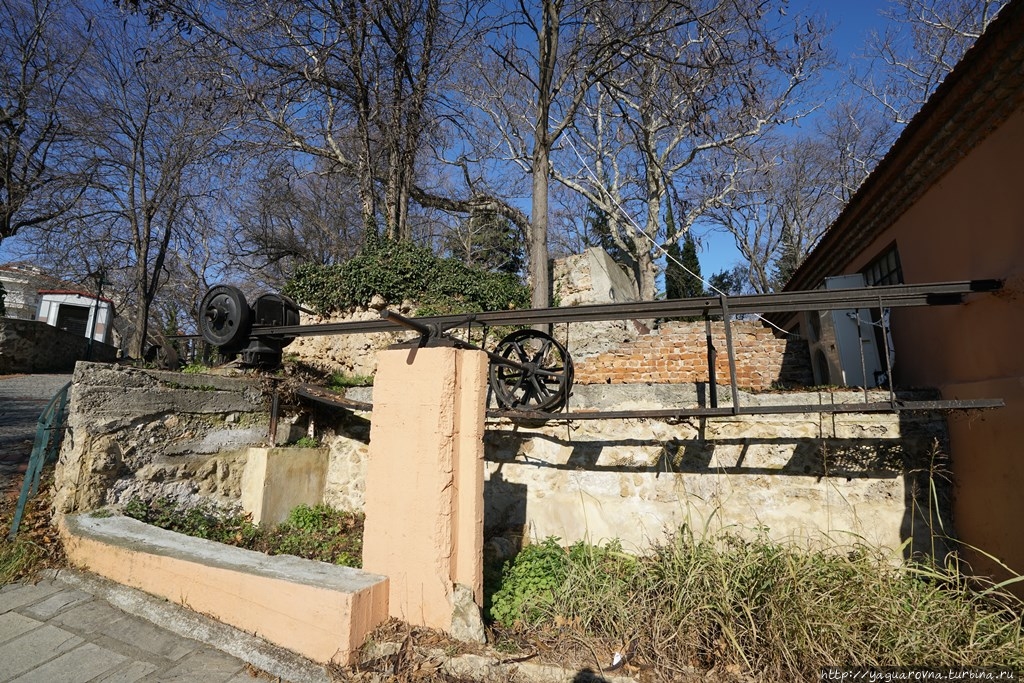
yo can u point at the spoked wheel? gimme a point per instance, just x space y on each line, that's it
530 371
224 318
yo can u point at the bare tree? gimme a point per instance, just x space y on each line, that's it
680 120
288 217
921 44
40 171
541 61
349 83
157 129
778 213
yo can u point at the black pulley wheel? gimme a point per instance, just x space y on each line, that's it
225 318
530 370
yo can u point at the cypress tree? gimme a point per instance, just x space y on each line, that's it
680 284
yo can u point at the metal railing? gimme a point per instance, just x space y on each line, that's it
49 435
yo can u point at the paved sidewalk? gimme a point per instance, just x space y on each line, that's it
69 628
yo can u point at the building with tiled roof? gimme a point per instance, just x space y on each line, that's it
947 204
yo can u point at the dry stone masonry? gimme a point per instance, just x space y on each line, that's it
155 434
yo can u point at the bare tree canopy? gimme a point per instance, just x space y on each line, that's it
681 121
171 143
40 173
922 43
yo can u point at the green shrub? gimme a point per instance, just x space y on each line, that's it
403 271
315 533
318 533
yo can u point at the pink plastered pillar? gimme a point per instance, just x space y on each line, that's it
424 480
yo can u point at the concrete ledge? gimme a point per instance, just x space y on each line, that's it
321 611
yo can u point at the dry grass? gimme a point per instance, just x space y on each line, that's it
774 611
37 546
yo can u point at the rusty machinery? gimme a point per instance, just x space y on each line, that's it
529 369
531 373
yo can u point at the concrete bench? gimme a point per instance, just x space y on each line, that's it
321 611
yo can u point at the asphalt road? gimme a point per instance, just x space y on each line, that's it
22 400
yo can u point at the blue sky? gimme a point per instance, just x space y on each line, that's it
851 22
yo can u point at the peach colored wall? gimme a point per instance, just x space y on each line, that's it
245 589
970 225
276 480
424 480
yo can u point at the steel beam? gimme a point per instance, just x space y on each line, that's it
895 296
680 413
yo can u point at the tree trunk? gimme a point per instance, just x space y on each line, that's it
541 295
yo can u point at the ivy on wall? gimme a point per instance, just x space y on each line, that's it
402 271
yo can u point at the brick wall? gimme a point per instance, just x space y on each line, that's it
676 352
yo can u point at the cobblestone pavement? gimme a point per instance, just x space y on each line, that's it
22 399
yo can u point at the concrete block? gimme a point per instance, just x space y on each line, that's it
275 480
424 480
36 647
13 625
134 671
143 635
321 611
48 608
18 595
207 665
88 617
77 666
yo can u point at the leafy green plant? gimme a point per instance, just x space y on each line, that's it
306 442
402 271
531 581
199 521
195 369
317 533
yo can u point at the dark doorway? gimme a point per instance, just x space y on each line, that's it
73 319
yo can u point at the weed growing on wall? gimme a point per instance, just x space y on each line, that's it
402 271
340 381
315 533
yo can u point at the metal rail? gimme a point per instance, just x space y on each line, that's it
894 296
432 330
681 413
49 435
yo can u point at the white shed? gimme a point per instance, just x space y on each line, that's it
77 312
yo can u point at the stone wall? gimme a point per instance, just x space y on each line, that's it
676 353
156 434
809 477
805 477
28 346
350 354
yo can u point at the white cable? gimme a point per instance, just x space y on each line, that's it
654 243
